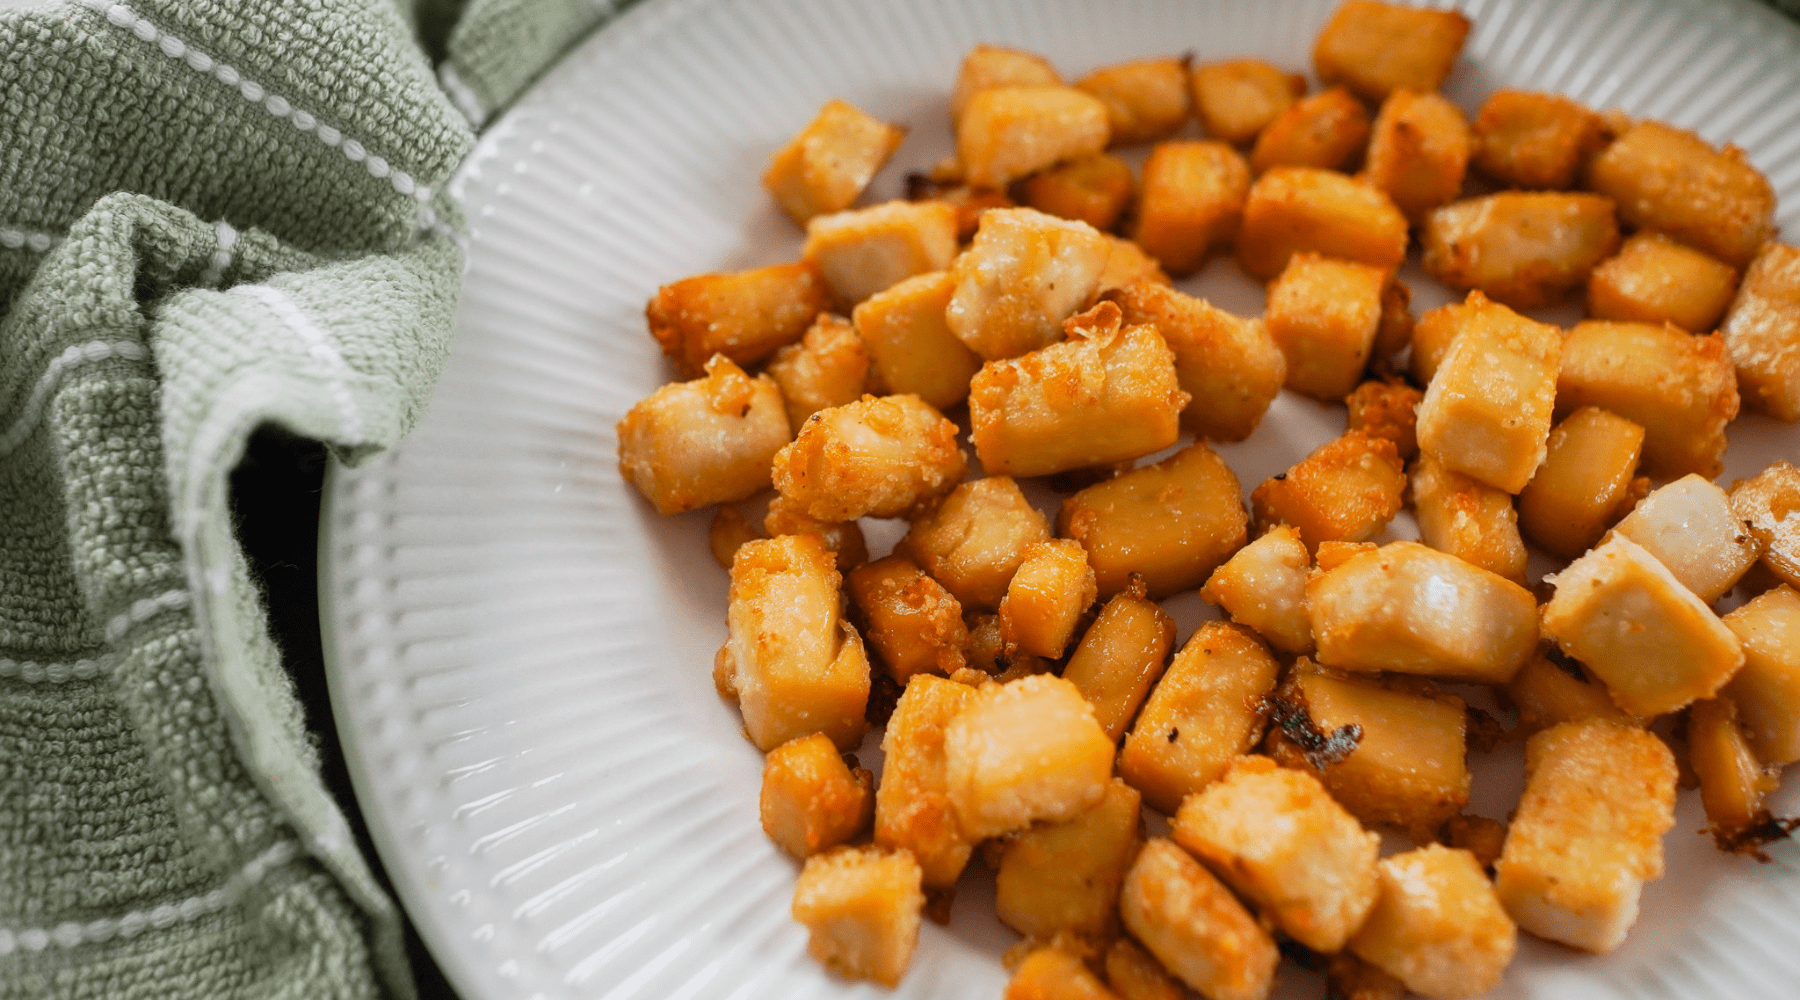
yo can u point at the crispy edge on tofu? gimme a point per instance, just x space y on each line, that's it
811 798
829 163
1263 586
1438 926
912 804
1195 926
861 907
1024 751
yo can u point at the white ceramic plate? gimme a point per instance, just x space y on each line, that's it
521 650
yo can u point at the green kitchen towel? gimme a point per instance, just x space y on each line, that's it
214 214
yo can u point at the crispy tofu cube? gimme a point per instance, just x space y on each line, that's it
811 800
1323 314
861 908
990 653
1024 275
729 530
1523 248
1295 209
1135 974
798 667
1347 490
1411 609
1770 503
1648 638
1173 522
1532 140
1120 658
863 251
690 444
876 457
745 315
1680 388
1146 99
1047 594
1487 411
1374 48
1767 689
1657 280
1280 840
1468 519
1762 333
915 625
1418 151
912 803
1437 926
910 346
1589 461
1228 361
1006 133
1325 130
1093 189
1588 832
1129 264
1054 974
1238 98
1195 926
1431 336
1107 394
988 66
1668 179
845 538
829 367
1689 527
1065 876
1206 711
1548 693
1024 751
1732 781
974 540
1264 586
831 161
1190 202
1387 409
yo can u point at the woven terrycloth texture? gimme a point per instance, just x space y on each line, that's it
500 46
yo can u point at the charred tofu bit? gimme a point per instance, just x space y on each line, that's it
1412 609
1120 658
1588 833
1387 410
746 315
1657 280
811 800
1173 522
1228 362
1767 689
876 457
1051 588
1093 189
1732 781
1468 519
1532 140
1670 180
1238 98
1326 130
1264 586
1066 876
1526 249
1589 461
1680 388
829 367
1438 927
1487 411
1278 838
1295 209
844 538
1195 926
910 346
1549 694
1689 527
1770 503
974 540
1006 133
988 66
912 803
1145 99
1135 974
1324 314
690 444
861 907
1200 717
1347 490
831 161
1418 151
1023 276
1190 202
863 251
915 625
1763 333
1024 751
1054 974
1629 620
1374 48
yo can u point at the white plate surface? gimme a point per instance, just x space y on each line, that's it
521 650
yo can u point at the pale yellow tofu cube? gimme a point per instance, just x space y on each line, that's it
910 346
1680 388
1347 490
1005 133
1024 751
861 907
1294 209
863 251
1689 527
1054 974
842 537
1550 692
1532 140
876 457
1762 332
1120 658
1264 586
975 538
1135 974
831 161
1190 202
988 66
1145 99
1769 503
690 444
744 315
1468 519
1418 151
1023 276
1065 876
1195 926
1323 314
1669 179
1229 362
915 625
1092 189
1238 98
912 804
1487 411
1173 523
1590 460
1045 598
811 800
829 367
1374 48
1657 280
1767 689
1387 409
1325 130
1588 832
1523 248
1438 927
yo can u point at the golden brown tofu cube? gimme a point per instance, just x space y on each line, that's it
1054 974
1386 409
1395 331
1523 248
915 625
1657 280
1438 927
729 530
1689 527
1024 751
689 444
912 803
1323 314
864 250
1145 99
861 907
876 457
1347 490
1238 98
1418 151
1228 361
1762 333
1173 522
1770 503
1006 133
1408 608
831 161
745 315
1051 588
1532 140
1295 209
1065 876
844 537
1732 781
1093 189
1279 839
1120 658
811 800
1767 689
1374 48
1487 411
1548 693
1588 832
1129 264
1680 388
1135 974
1106 394
829 367
1206 710
798 667
1468 519
975 539
1431 337
1190 202
1589 461
1670 180
1648 638
989 66
1195 926
1264 586
1025 274
910 346
1325 130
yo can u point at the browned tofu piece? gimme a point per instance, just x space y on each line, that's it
1487 411
1195 926
997 66
1548 693
1354 979
1418 151
1238 98
1767 689
1120 658
1347 490
1680 388
1468 519
1733 781
1093 189
1374 48
1264 586
690 444
1689 527
1530 140
862 251
1294 209
811 800
1386 409
876 457
1762 333
829 367
1657 280
910 346
1054 974
831 161
729 529
1024 751
1190 202
1323 314
1173 522
745 315
1588 832
1326 130
1280 840
1230 362
1432 335
1205 712
1024 275
861 907
845 538
1395 331
912 804
913 623
1135 974
975 539
1145 99
1589 461
1668 179
1051 588
1523 248
1005 133
1065 876
1770 503
1129 264
1438 927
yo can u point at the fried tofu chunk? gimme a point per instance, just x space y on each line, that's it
975 539
1576 494
909 343
876 457
1323 314
1387 409
1326 130
1431 337
1047 594
1418 151
1005 133
1530 140
1468 519
915 625
1173 522
831 161
811 800
1375 48
1657 280
1762 332
1437 926
1120 658
1588 833
1733 781
1230 362
1025 274
1065 877
1767 689
1668 179
863 251
1093 189
912 804
1548 693
690 444
1190 202
1770 503
1689 527
1146 99
988 66
1238 98
1487 411
1024 751
1347 490
829 367
744 315
1195 926
1129 264
861 907
1523 248
1264 586
1054 974
1680 388
728 531
1135 974
1294 209
843 537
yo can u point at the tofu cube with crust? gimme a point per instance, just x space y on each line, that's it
876 457
831 161
1589 462
1228 361
1670 180
1437 926
910 346
1065 877
1023 276
1588 832
1294 209
1135 974
912 804
1767 689
1431 337
1238 98
988 66
1487 411
1264 586
1733 782
1679 387
1769 503
915 625
1548 693
1324 130
1468 519
1053 974
1146 99
1195 926
1120 658
1347 490
829 367
1374 48
1689 527
744 315
1045 598
1762 332
861 907
1323 314
975 539
1418 151
1173 523
811 800
1526 139
690 444
1005 133
1387 409
1024 751
843 537
1190 202
1523 248
1092 189
863 251
1657 280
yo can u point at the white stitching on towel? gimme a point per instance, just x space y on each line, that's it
142 610
221 258
75 354
32 672
319 347
24 239
461 95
